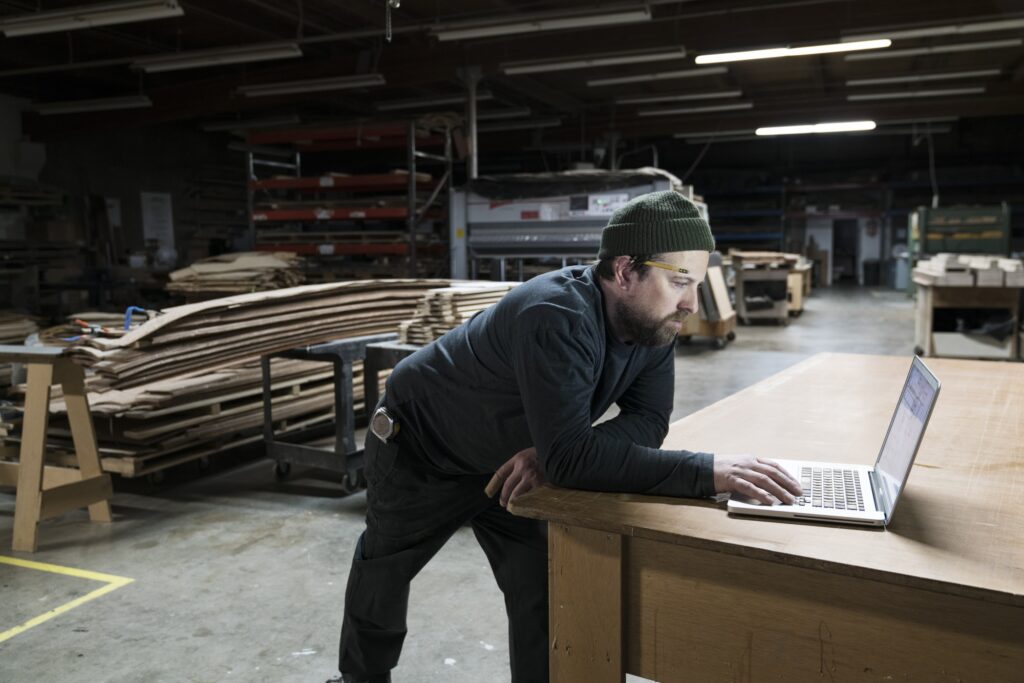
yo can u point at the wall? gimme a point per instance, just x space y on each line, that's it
121 165
821 230
869 247
17 157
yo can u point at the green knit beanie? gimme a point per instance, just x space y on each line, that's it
656 223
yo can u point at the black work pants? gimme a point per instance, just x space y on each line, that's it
412 510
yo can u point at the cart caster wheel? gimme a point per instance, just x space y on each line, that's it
282 470
731 336
918 351
351 484
685 339
719 343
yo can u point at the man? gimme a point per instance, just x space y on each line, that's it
529 377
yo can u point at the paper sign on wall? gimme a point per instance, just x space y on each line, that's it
157 219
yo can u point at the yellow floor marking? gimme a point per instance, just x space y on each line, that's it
112 584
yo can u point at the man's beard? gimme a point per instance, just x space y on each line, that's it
643 330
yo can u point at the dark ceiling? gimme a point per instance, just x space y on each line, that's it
343 38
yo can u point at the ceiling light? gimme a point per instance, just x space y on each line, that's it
774 52
838 127
200 58
914 93
245 124
924 77
695 110
938 49
313 85
681 98
945 30
591 61
105 104
431 101
713 133
519 125
660 76
510 113
88 16
540 22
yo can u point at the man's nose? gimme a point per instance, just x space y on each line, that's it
689 301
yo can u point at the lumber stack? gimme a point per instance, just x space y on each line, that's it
158 425
969 270
237 274
232 330
186 383
445 308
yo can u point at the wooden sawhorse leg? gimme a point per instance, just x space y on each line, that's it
45 492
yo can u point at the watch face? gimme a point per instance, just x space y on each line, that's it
381 424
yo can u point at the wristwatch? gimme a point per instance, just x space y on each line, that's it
383 425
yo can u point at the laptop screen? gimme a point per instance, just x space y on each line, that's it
905 432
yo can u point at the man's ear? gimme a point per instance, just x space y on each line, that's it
624 277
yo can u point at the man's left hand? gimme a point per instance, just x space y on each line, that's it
521 473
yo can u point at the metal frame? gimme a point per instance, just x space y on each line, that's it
345 457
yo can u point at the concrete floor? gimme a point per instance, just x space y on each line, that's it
240 578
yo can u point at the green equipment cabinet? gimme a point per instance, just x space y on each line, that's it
960 230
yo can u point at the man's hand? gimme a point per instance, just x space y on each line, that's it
517 476
761 479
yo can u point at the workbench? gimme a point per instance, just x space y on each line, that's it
678 590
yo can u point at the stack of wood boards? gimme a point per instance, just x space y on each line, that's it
223 332
238 273
186 384
763 259
165 423
14 327
446 308
967 270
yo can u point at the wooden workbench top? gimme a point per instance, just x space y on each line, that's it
959 526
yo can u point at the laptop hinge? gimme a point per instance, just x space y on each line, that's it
878 493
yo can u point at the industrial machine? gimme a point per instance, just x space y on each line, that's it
551 219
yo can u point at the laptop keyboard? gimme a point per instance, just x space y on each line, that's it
829 488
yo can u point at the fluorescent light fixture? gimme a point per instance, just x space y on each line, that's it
246 124
775 52
216 57
660 76
696 110
313 85
722 94
944 30
510 113
88 16
909 94
105 104
422 102
591 61
937 49
837 127
519 125
540 22
924 77
714 133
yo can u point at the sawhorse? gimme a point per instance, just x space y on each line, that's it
45 491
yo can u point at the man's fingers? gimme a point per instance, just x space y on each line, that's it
751 490
789 481
509 487
775 482
524 486
494 485
499 477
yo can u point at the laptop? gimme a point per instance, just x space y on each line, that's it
859 494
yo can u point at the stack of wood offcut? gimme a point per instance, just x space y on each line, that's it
239 273
187 384
446 308
969 270
14 327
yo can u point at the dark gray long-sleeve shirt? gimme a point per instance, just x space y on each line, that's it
538 369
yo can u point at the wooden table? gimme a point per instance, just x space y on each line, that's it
677 590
